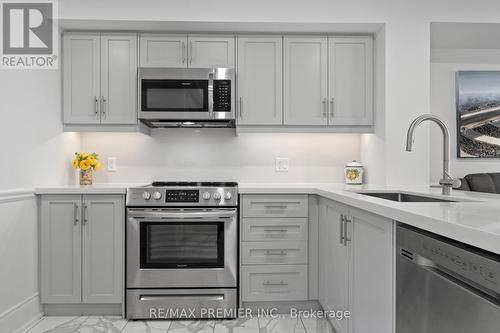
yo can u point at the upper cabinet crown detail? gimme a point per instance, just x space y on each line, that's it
193 51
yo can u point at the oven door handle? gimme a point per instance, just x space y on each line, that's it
222 214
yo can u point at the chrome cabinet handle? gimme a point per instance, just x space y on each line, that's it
75 217
324 107
331 107
190 52
241 107
279 283
346 230
342 219
85 214
103 106
183 55
275 253
96 106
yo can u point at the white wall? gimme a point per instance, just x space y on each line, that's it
445 63
372 148
407 52
187 154
34 152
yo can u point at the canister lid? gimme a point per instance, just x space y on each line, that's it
354 164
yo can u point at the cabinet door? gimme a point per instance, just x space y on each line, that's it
260 80
103 223
372 273
350 81
163 50
211 51
119 78
60 249
82 77
333 262
305 81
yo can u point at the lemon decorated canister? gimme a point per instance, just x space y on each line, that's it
354 173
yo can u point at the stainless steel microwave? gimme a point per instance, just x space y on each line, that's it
186 97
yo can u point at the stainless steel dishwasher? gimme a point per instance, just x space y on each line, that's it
444 286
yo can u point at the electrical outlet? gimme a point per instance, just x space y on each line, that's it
112 164
282 164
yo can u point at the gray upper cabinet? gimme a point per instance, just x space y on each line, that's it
305 81
82 249
194 51
103 237
350 63
211 51
60 249
119 79
82 78
100 79
260 80
163 50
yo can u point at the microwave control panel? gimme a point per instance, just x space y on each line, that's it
222 95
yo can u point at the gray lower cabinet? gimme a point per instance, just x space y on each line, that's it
356 270
82 252
274 247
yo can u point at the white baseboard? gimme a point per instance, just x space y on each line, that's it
21 316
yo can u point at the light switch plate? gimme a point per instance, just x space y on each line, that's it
112 164
282 164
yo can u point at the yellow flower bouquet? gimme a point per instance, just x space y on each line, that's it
86 163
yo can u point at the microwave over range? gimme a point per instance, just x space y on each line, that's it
186 97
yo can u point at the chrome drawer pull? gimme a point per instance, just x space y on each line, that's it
276 206
275 230
277 253
279 283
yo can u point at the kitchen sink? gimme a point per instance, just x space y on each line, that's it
405 197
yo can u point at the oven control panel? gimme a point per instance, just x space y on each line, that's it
189 197
182 196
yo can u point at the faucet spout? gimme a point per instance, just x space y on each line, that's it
446 182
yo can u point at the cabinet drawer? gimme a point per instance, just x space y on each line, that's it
262 229
274 253
272 205
278 283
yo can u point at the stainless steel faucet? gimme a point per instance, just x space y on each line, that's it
447 182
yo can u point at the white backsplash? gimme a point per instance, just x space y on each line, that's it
208 154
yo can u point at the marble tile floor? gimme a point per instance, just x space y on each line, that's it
109 324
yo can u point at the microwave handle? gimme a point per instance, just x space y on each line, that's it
211 95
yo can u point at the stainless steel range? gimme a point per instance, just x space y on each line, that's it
182 250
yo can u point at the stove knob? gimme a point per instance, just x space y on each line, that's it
206 195
146 195
227 196
217 196
157 195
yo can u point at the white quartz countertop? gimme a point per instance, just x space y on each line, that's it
103 188
474 221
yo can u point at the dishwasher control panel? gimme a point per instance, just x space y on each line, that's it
458 259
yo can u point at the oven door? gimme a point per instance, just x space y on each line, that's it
181 248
